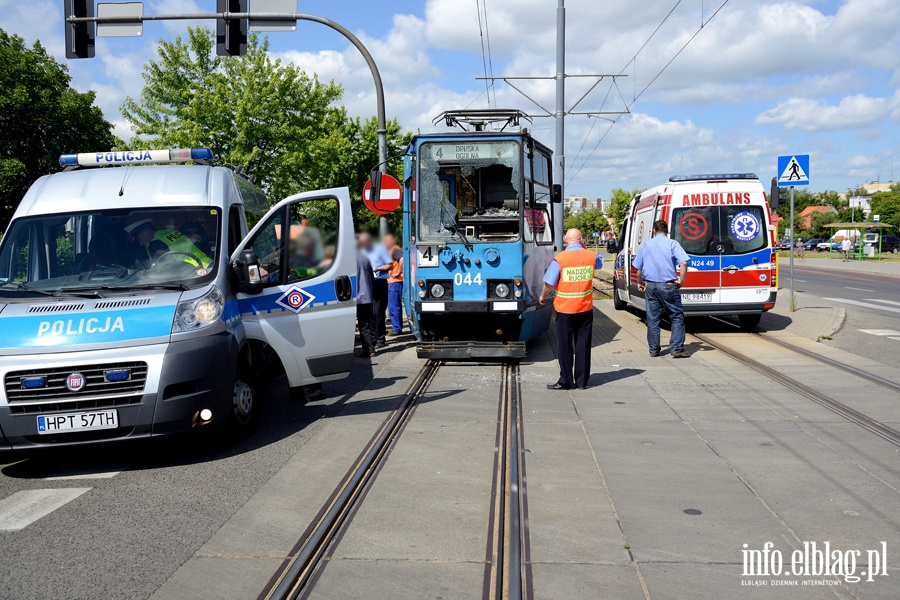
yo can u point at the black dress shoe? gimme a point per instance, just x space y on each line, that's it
582 387
557 386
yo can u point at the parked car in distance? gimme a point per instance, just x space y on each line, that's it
812 244
889 243
783 244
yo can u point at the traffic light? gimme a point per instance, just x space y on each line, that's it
79 36
231 34
777 195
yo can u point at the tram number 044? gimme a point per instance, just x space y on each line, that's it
458 279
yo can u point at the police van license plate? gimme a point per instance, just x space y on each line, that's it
706 297
83 421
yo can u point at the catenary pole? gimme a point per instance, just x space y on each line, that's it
560 165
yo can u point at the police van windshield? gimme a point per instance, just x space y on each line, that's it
109 250
712 230
469 191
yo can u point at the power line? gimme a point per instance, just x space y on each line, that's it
483 54
634 61
661 71
487 34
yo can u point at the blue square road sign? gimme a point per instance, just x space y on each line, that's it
793 169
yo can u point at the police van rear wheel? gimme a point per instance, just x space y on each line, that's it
618 303
749 322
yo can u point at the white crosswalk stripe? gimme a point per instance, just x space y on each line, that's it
880 331
864 304
27 506
891 302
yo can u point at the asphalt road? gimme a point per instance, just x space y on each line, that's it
137 511
872 301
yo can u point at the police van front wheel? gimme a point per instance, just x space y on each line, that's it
244 406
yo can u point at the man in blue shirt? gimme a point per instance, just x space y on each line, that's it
381 263
661 285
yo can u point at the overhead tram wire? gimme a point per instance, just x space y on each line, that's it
484 62
487 34
703 24
622 72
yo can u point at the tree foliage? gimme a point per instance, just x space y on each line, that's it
587 221
887 205
41 117
620 200
283 125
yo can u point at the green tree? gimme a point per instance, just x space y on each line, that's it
620 199
283 125
41 117
887 205
817 224
587 221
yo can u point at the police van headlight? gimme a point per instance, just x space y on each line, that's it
198 313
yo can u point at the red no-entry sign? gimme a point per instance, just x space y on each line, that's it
389 198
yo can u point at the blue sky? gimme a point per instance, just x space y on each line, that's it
762 78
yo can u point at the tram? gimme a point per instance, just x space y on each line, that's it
479 233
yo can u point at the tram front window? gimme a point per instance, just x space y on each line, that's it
469 191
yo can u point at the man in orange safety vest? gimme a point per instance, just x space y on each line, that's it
571 275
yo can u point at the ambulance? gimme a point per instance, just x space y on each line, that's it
135 302
725 225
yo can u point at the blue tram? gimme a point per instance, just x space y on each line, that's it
479 234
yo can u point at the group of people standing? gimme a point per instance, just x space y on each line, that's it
662 267
379 276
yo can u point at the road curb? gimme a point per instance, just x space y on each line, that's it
835 323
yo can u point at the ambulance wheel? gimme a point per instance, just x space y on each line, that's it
618 303
244 406
749 322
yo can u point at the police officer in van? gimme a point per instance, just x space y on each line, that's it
154 243
571 274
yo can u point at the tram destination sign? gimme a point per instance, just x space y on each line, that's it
472 151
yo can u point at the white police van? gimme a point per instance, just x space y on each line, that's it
134 303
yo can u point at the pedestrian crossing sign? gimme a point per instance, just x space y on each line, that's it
793 169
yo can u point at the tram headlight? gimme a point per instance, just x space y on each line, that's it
422 294
437 291
502 290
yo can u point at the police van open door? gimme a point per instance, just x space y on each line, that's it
299 270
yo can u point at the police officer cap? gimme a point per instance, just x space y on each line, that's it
137 226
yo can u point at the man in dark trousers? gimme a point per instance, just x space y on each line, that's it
381 266
571 274
661 284
365 318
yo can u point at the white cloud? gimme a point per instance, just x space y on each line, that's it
806 114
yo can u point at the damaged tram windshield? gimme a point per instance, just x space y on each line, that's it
469 191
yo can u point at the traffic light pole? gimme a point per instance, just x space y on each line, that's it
381 116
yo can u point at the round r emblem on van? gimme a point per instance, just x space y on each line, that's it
75 382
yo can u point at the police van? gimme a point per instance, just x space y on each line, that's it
135 303
724 224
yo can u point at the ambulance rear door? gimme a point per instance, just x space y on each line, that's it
306 310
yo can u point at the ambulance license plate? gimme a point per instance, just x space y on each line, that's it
697 297
83 421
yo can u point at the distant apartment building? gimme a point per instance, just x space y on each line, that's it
577 204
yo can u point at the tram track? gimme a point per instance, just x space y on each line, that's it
851 414
506 576
891 385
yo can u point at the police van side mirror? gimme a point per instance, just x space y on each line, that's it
556 193
246 269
